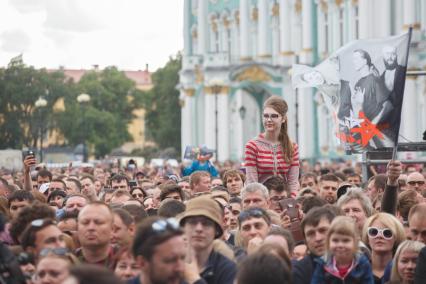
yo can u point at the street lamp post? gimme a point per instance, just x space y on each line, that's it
40 104
83 100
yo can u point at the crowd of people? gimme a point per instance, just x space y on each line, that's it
273 219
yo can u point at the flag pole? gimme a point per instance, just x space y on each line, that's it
395 147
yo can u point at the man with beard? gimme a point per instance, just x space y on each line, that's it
393 78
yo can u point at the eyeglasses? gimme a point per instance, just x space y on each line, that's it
414 182
276 199
41 222
25 258
252 212
162 225
56 251
374 232
272 116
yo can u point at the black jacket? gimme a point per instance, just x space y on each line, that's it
218 270
304 269
420 275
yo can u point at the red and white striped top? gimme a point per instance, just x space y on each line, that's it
264 159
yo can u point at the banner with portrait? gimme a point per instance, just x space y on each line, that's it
362 85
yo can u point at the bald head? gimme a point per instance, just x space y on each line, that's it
416 181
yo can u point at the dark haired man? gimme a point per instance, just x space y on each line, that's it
234 180
120 181
159 249
18 200
43 176
41 234
172 191
254 225
329 184
315 226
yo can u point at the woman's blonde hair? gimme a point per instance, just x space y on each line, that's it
346 226
280 105
407 245
388 221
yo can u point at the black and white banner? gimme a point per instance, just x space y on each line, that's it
362 84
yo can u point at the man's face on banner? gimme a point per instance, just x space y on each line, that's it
389 57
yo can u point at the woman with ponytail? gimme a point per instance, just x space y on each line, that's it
272 153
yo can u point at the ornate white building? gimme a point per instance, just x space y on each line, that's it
238 53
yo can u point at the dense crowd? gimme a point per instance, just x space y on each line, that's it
153 225
273 219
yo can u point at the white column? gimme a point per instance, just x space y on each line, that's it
239 137
382 20
409 127
235 54
410 19
187 39
321 33
223 33
187 137
296 30
399 16
244 29
275 40
285 33
289 96
263 29
223 120
306 31
334 25
209 120
202 27
306 123
365 27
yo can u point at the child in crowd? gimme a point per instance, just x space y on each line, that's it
342 262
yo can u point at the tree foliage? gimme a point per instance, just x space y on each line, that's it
163 113
102 123
20 87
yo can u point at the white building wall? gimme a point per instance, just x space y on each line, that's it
285 36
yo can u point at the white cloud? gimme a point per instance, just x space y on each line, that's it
80 33
15 41
25 6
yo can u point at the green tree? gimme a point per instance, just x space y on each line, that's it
163 113
20 87
102 123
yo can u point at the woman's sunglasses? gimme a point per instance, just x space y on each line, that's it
374 232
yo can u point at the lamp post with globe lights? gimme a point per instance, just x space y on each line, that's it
83 100
40 104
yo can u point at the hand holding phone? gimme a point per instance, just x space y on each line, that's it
29 160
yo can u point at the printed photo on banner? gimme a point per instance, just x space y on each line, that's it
362 84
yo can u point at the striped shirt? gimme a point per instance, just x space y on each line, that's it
264 159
